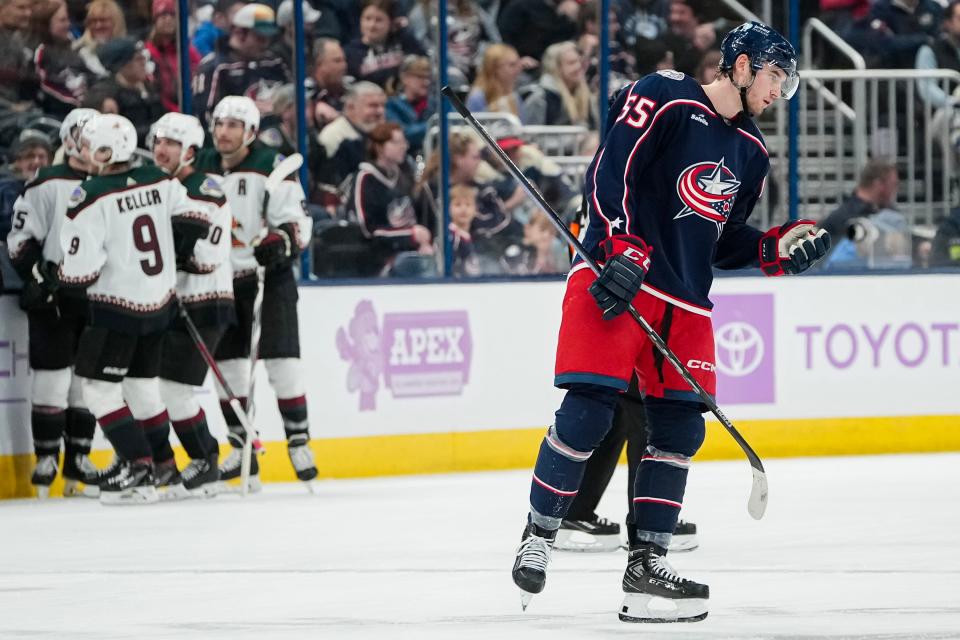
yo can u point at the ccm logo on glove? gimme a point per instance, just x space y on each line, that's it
627 260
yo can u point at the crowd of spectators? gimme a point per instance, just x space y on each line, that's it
371 94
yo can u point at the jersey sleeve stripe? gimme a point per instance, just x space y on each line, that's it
358 198
755 139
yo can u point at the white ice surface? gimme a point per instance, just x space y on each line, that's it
849 548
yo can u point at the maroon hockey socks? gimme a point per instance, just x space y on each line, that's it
294 414
125 435
194 435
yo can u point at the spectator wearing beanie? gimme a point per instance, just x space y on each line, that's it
124 58
162 45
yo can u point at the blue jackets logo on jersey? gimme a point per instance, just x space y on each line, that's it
708 190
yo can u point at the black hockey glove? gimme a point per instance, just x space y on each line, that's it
627 260
40 289
187 230
793 248
274 248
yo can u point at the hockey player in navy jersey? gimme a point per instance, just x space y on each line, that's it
668 196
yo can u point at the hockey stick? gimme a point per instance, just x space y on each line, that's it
221 380
757 503
286 167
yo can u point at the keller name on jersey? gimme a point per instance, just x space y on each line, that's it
138 200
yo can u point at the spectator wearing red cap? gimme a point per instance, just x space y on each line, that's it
162 45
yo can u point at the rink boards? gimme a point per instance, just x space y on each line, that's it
457 377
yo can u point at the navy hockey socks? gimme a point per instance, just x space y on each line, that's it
125 435
79 431
234 428
157 431
582 421
48 425
194 435
294 414
676 431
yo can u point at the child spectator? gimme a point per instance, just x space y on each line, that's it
463 209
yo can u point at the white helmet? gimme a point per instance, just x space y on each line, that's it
109 131
71 127
239 108
182 128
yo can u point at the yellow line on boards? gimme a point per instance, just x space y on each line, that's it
517 448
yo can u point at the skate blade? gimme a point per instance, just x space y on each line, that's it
525 599
137 495
205 491
583 542
643 607
43 491
253 486
77 489
683 543
173 492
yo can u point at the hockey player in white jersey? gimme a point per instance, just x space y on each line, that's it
55 320
271 239
118 243
205 290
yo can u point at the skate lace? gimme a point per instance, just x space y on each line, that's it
603 522
46 465
193 469
660 568
85 465
301 458
233 460
535 553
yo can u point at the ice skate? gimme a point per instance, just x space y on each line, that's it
655 593
169 482
201 477
132 483
595 535
684 537
230 469
80 477
301 457
533 556
43 475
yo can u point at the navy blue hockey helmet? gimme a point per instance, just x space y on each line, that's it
762 45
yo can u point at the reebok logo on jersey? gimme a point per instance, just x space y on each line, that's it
699 118
708 190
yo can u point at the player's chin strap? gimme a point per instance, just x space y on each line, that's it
743 89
